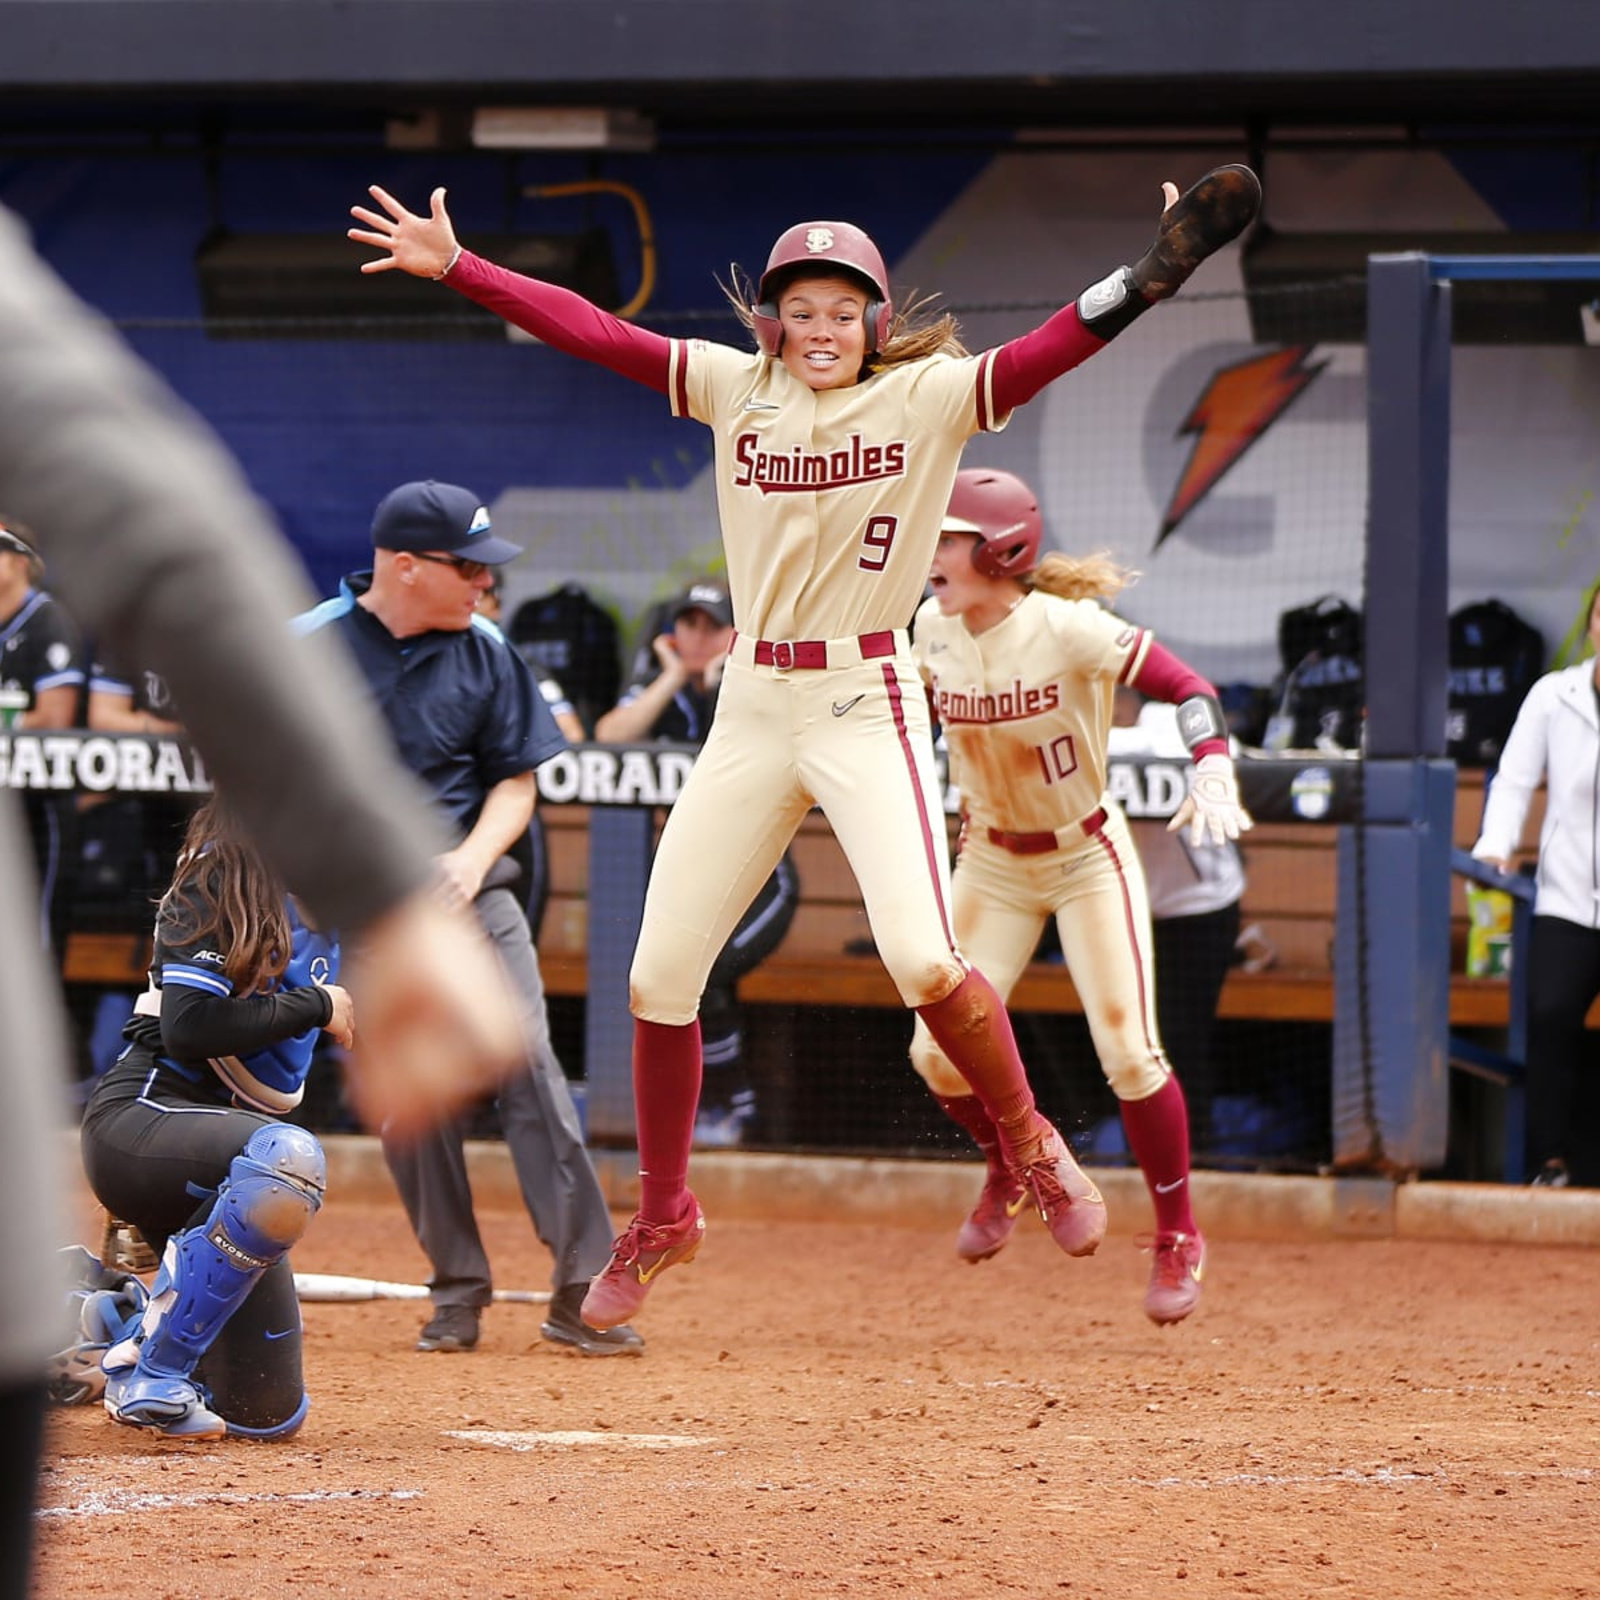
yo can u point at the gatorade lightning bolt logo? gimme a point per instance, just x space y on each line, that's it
1239 404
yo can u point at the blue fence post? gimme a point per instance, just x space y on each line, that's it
1392 942
620 840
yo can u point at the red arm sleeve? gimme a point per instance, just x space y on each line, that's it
564 320
1163 676
1023 366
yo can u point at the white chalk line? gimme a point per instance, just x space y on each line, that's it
501 1440
129 1502
1377 1477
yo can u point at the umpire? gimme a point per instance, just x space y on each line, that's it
468 719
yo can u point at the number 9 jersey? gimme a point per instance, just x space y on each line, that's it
831 500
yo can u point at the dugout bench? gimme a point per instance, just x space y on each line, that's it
602 807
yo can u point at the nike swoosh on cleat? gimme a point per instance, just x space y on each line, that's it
840 707
1015 1208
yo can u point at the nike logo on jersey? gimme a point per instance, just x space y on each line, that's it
840 707
761 405
268 1333
1167 1188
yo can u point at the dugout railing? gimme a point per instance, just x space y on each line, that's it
1392 1041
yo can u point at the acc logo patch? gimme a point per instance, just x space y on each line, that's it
1311 793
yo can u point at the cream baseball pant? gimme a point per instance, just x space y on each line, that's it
851 738
1095 889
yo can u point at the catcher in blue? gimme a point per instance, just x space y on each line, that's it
837 438
183 1138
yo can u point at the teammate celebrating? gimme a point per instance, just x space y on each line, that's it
837 441
218 1051
1022 665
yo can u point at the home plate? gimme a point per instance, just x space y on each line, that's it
532 1441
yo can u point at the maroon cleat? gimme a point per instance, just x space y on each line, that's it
1069 1203
643 1250
985 1232
1178 1263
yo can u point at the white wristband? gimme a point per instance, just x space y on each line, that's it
449 266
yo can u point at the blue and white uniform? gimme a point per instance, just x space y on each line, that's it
205 1070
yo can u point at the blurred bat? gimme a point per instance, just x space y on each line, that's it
334 1286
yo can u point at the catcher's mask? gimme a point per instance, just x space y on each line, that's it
834 244
1001 509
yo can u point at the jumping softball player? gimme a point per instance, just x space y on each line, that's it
837 442
1021 664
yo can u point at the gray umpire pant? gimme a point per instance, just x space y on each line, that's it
542 1135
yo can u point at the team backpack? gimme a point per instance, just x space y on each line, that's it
1320 695
577 641
1495 656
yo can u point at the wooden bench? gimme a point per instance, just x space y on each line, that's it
826 957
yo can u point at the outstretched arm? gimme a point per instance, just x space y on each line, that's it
1193 226
427 247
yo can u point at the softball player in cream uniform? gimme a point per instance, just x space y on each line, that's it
837 440
1022 666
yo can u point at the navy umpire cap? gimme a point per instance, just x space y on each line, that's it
427 516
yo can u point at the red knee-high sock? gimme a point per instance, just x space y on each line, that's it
666 1092
967 1111
971 1026
1158 1134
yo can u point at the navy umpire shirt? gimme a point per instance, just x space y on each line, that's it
462 707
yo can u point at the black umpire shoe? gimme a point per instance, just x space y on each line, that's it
451 1328
564 1325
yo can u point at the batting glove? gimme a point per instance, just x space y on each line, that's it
1212 805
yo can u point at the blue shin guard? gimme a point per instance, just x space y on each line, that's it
273 1189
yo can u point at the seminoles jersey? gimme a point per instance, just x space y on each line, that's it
1026 706
830 500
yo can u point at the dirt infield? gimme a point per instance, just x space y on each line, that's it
840 1409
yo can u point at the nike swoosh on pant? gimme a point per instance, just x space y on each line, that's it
841 707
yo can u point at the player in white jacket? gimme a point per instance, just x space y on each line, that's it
1556 740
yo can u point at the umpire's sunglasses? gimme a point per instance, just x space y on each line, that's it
470 570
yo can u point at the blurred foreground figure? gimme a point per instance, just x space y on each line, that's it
158 547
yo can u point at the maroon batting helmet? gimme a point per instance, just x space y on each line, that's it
831 244
1001 509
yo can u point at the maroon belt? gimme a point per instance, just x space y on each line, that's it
1038 844
812 654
